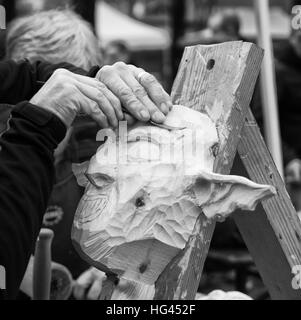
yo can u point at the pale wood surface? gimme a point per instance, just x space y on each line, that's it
273 235
218 80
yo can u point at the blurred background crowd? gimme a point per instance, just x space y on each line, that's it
152 34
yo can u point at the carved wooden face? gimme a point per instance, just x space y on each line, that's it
139 208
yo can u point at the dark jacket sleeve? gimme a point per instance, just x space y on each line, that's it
19 81
26 175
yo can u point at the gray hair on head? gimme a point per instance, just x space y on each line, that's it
53 36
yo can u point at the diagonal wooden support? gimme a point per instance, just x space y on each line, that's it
273 235
218 80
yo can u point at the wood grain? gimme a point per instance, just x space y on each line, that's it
273 235
219 81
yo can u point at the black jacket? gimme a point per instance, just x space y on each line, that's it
26 165
26 179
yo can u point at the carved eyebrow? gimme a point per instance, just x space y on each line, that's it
93 179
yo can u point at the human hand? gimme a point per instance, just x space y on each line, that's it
88 285
67 94
139 92
293 171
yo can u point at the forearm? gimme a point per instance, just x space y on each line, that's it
19 81
26 175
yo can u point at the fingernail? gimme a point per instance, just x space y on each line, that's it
158 117
144 115
164 108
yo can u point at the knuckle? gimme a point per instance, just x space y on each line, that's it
139 92
101 85
116 101
125 93
105 70
67 87
99 96
150 79
63 88
120 65
134 103
94 109
60 73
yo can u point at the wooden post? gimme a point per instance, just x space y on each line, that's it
268 87
273 235
218 80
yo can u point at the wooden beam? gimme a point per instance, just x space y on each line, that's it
268 83
218 80
273 235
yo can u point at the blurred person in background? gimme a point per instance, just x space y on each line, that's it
225 26
61 36
116 51
53 35
288 82
288 78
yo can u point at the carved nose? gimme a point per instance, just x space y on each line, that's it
140 202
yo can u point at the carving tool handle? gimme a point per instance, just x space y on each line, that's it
42 266
108 287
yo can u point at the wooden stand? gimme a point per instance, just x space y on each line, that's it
219 80
273 238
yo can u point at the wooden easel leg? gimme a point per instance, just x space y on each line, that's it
223 92
185 271
272 234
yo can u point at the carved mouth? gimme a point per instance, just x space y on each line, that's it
90 208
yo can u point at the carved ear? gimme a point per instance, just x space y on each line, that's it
79 170
222 194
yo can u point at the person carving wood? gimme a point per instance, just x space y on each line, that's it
38 126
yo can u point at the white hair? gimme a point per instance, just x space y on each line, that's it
53 36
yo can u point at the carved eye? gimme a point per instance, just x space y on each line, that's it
140 202
215 149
